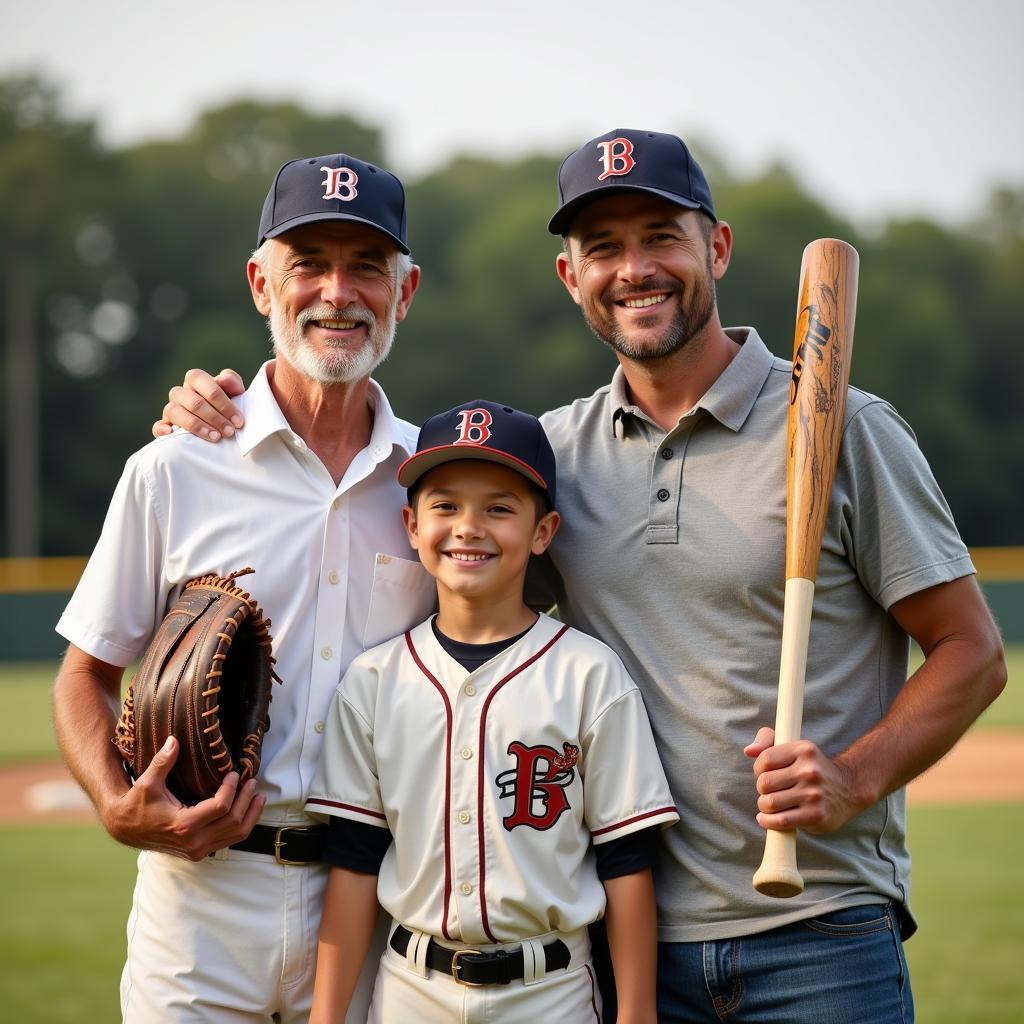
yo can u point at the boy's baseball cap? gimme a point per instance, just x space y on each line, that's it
637 161
334 187
487 431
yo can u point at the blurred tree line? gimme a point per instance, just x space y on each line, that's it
120 269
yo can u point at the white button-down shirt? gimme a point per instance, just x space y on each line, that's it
184 507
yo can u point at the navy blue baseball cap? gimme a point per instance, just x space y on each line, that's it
637 161
487 431
334 187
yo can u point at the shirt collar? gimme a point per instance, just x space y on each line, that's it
263 418
732 395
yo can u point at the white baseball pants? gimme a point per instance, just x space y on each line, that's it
231 940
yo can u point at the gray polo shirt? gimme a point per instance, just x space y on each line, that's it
672 551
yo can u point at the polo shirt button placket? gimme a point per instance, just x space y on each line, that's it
666 482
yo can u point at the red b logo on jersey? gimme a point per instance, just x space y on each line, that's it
538 783
474 426
340 183
616 157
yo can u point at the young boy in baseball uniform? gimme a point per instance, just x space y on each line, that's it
490 776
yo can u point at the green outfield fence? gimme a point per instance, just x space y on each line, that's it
33 592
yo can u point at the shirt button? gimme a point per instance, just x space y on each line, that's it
466 888
336 504
470 689
326 653
464 817
667 453
319 727
466 753
663 495
334 577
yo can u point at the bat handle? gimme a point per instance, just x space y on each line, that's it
778 874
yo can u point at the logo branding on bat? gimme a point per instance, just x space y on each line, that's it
340 183
474 426
616 158
537 783
815 340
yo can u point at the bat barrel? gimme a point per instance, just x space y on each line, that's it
822 344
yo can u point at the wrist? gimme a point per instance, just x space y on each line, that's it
861 781
111 810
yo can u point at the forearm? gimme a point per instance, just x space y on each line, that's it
631 921
346 931
959 678
86 706
799 786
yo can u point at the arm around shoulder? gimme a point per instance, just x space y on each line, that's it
202 405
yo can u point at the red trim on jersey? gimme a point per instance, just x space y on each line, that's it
447 784
345 807
480 771
629 821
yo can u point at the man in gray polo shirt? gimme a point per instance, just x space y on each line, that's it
672 551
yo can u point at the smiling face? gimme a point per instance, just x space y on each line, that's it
475 525
643 272
333 293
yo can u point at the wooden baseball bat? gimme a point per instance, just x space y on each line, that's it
822 346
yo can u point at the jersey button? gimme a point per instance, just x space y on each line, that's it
663 495
466 888
466 753
464 817
470 689
667 453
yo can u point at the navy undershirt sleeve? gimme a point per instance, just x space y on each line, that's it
635 852
356 845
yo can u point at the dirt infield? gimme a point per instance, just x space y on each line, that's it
986 766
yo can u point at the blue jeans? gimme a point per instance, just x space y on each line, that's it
846 967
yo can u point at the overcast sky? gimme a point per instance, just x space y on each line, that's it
881 107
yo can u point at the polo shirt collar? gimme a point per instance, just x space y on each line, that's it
263 418
732 395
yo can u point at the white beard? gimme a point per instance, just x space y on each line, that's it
340 363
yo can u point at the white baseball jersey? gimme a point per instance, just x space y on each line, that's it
494 783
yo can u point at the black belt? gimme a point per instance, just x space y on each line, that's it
471 967
290 844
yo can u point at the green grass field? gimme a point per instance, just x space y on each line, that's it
67 890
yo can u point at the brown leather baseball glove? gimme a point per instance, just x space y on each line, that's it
206 679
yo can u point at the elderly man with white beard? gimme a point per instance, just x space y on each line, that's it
227 901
